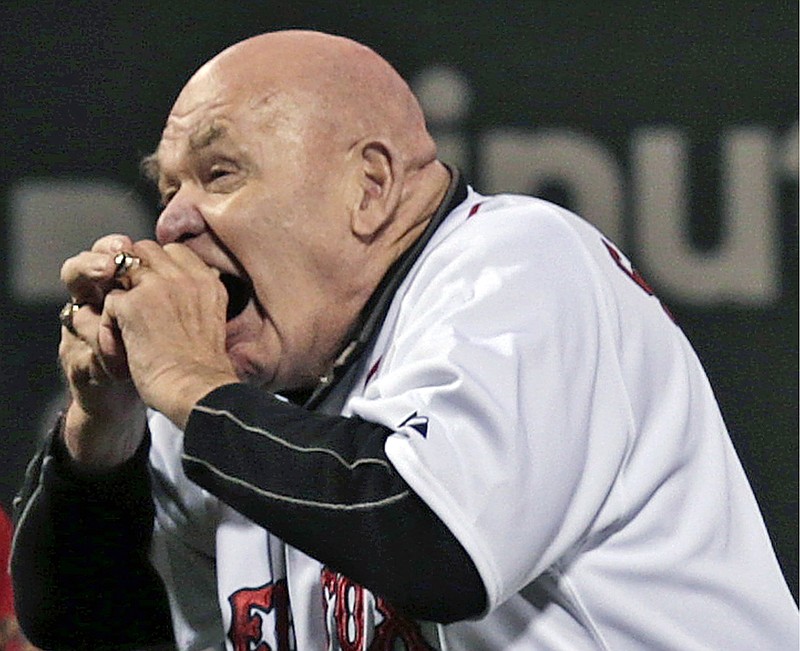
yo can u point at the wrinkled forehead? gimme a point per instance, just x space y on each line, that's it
224 107
232 117
206 112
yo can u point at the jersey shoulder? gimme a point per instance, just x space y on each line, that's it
495 227
516 235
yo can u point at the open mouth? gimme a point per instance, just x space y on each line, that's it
240 291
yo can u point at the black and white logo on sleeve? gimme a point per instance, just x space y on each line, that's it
416 422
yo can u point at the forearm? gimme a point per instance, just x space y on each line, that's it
324 485
80 556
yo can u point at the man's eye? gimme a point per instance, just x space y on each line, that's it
218 172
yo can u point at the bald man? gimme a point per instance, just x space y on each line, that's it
344 401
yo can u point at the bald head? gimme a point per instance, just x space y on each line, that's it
300 163
335 90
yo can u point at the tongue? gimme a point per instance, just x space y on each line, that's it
239 294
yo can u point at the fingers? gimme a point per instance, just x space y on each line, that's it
169 260
82 320
89 276
100 283
170 274
93 349
174 263
171 317
80 362
81 365
110 346
112 244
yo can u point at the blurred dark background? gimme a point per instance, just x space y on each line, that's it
673 126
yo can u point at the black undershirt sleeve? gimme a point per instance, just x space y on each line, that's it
80 567
324 485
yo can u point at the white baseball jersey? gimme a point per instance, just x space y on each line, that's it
551 413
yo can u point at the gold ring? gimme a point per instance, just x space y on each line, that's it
125 262
66 315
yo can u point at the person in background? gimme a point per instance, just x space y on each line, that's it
11 637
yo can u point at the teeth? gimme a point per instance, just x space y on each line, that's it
240 291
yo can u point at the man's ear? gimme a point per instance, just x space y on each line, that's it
380 179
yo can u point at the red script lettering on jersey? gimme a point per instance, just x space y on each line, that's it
249 606
350 609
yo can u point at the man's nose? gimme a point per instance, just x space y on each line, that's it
179 221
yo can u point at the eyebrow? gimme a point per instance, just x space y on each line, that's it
207 136
150 167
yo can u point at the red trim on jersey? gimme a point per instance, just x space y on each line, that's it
634 275
373 371
474 209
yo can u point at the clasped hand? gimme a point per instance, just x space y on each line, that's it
155 340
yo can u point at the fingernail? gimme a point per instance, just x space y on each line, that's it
115 245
